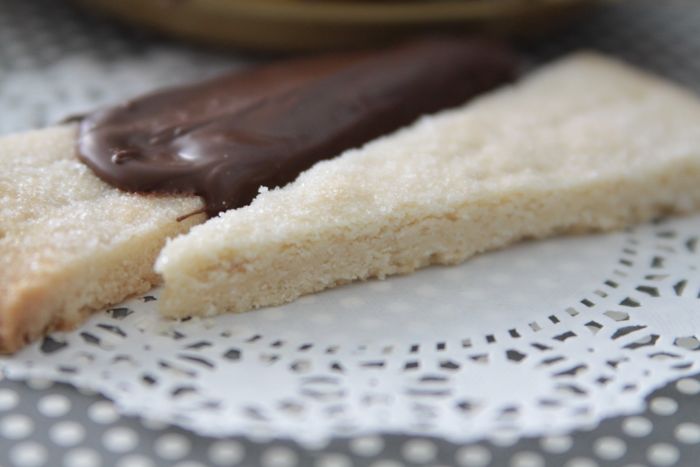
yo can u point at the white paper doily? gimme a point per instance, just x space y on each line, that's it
540 338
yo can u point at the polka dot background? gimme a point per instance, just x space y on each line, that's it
46 424
43 424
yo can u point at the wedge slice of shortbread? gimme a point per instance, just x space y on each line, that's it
584 144
70 243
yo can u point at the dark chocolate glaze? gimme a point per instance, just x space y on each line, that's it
224 138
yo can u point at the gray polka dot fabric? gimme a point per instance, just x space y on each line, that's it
46 424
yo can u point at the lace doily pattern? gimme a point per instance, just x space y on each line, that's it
537 339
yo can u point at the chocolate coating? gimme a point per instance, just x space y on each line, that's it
224 138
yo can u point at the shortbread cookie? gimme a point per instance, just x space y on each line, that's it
70 243
585 144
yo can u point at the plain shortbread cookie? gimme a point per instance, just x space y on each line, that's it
584 144
70 243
